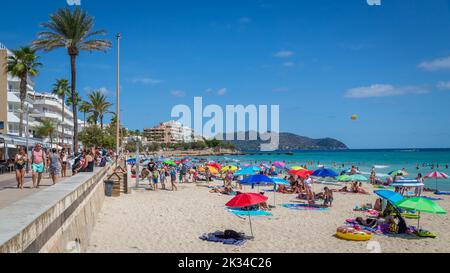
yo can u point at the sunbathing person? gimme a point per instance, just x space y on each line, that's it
369 222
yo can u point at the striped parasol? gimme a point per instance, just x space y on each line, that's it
437 175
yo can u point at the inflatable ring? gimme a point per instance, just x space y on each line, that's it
410 216
351 234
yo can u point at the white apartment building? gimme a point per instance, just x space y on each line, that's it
38 105
171 132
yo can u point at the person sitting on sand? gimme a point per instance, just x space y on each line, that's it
378 206
264 205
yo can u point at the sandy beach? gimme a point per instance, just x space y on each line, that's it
171 222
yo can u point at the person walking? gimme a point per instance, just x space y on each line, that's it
20 162
38 160
173 178
54 165
64 162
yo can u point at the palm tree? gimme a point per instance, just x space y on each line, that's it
46 129
23 64
99 106
84 108
61 89
72 30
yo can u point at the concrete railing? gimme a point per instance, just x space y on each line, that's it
57 219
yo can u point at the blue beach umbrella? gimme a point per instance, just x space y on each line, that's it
325 173
257 179
391 196
280 181
246 171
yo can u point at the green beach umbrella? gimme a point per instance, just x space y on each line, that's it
344 178
170 162
420 204
358 177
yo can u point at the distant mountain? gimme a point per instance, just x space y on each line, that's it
289 141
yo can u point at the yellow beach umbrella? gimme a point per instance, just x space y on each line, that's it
297 168
232 168
212 170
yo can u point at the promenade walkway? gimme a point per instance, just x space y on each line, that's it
9 192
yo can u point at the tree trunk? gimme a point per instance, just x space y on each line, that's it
62 126
101 121
23 96
74 101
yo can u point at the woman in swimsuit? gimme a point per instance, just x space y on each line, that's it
63 157
20 162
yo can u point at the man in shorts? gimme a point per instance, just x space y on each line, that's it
38 160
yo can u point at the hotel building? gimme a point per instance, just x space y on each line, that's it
171 132
39 106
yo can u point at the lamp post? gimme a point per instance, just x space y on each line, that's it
118 99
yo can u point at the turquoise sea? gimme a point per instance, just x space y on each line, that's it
385 161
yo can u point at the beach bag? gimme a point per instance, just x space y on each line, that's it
231 234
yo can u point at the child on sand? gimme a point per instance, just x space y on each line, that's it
328 200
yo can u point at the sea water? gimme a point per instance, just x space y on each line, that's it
384 161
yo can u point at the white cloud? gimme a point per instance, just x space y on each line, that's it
220 92
383 90
178 93
435 65
244 20
144 80
443 85
284 54
289 64
105 91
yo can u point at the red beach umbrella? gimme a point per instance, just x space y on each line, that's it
301 173
437 175
215 165
246 200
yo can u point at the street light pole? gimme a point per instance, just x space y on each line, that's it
26 135
118 98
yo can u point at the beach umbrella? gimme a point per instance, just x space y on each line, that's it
246 200
279 164
420 204
255 168
344 178
303 173
437 175
358 177
212 170
169 162
278 181
325 173
230 167
391 196
246 171
215 165
296 168
257 179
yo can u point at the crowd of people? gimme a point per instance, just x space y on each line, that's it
56 162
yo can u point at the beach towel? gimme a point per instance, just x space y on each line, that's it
251 212
217 238
304 207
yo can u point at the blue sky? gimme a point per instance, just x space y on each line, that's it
320 60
